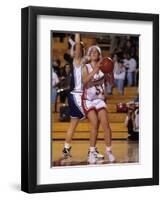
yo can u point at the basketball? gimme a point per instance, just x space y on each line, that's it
107 65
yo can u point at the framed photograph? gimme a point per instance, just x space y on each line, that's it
90 99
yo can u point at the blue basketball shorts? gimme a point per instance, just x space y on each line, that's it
75 105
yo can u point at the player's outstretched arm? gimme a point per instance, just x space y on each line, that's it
78 48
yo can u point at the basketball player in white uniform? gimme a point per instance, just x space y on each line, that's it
75 96
93 102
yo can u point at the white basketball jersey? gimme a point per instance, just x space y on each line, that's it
95 92
77 71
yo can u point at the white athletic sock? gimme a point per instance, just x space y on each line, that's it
67 145
108 148
92 149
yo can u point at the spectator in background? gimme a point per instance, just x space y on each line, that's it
55 81
64 83
67 69
56 66
136 78
128 46
68 59
109 86
130 65
132 122
136 128
119 75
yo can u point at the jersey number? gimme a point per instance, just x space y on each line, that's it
99 89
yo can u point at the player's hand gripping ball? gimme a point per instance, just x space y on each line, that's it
106 65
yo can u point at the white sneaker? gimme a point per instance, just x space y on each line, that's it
94 156
110 155
66 153
98 155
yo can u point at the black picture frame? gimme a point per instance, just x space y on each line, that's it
29 98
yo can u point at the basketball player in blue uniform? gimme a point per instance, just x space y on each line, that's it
75 95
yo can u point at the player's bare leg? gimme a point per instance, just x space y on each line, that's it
93 154
69 136
71 129
102 115
94 127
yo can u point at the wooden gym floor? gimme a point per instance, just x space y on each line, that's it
124 151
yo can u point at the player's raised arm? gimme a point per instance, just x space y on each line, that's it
78 48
